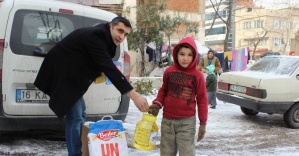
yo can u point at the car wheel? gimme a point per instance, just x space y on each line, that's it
291 117
247 111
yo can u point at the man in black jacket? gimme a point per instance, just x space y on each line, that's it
73 64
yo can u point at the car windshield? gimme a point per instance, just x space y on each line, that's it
276 65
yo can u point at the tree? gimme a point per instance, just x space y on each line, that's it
178 24
227 22
151 26
169 24
183 26
148 28
257 39
216 8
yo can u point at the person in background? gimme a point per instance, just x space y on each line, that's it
73 64
183 90
208 60
205 73
211 83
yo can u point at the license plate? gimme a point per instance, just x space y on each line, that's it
31 96
236 88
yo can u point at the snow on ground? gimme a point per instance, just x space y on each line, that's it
229 133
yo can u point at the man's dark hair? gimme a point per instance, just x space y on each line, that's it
123 20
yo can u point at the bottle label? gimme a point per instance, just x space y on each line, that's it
153 138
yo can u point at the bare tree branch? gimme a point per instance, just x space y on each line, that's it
214 17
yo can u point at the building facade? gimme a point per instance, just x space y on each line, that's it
216 27
266 29
191 10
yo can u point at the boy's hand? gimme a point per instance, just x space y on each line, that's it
154 109
201 132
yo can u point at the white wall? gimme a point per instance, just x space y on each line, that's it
110 1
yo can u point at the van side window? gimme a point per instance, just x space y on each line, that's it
40 30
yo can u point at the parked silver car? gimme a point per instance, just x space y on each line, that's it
270 86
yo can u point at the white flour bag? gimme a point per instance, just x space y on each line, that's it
107 138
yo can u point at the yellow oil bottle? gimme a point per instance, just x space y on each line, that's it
146 133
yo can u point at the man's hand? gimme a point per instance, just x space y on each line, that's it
139 101
201 132
154 109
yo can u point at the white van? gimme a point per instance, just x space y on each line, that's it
28 29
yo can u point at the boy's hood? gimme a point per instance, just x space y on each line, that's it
191 42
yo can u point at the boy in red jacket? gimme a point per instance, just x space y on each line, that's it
182 90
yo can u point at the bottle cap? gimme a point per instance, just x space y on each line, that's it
149 117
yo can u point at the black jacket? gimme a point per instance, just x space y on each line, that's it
74 63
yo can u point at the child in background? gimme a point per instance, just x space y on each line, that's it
182 90
211 83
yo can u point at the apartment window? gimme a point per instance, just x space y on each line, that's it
210 16
276 24
262 42
222 13
216 31
282 42
247 25
276 42
283 24
251 43
258 23
294 25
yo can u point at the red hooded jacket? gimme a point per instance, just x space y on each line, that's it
183 89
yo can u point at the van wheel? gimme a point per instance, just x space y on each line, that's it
291 117
249 112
